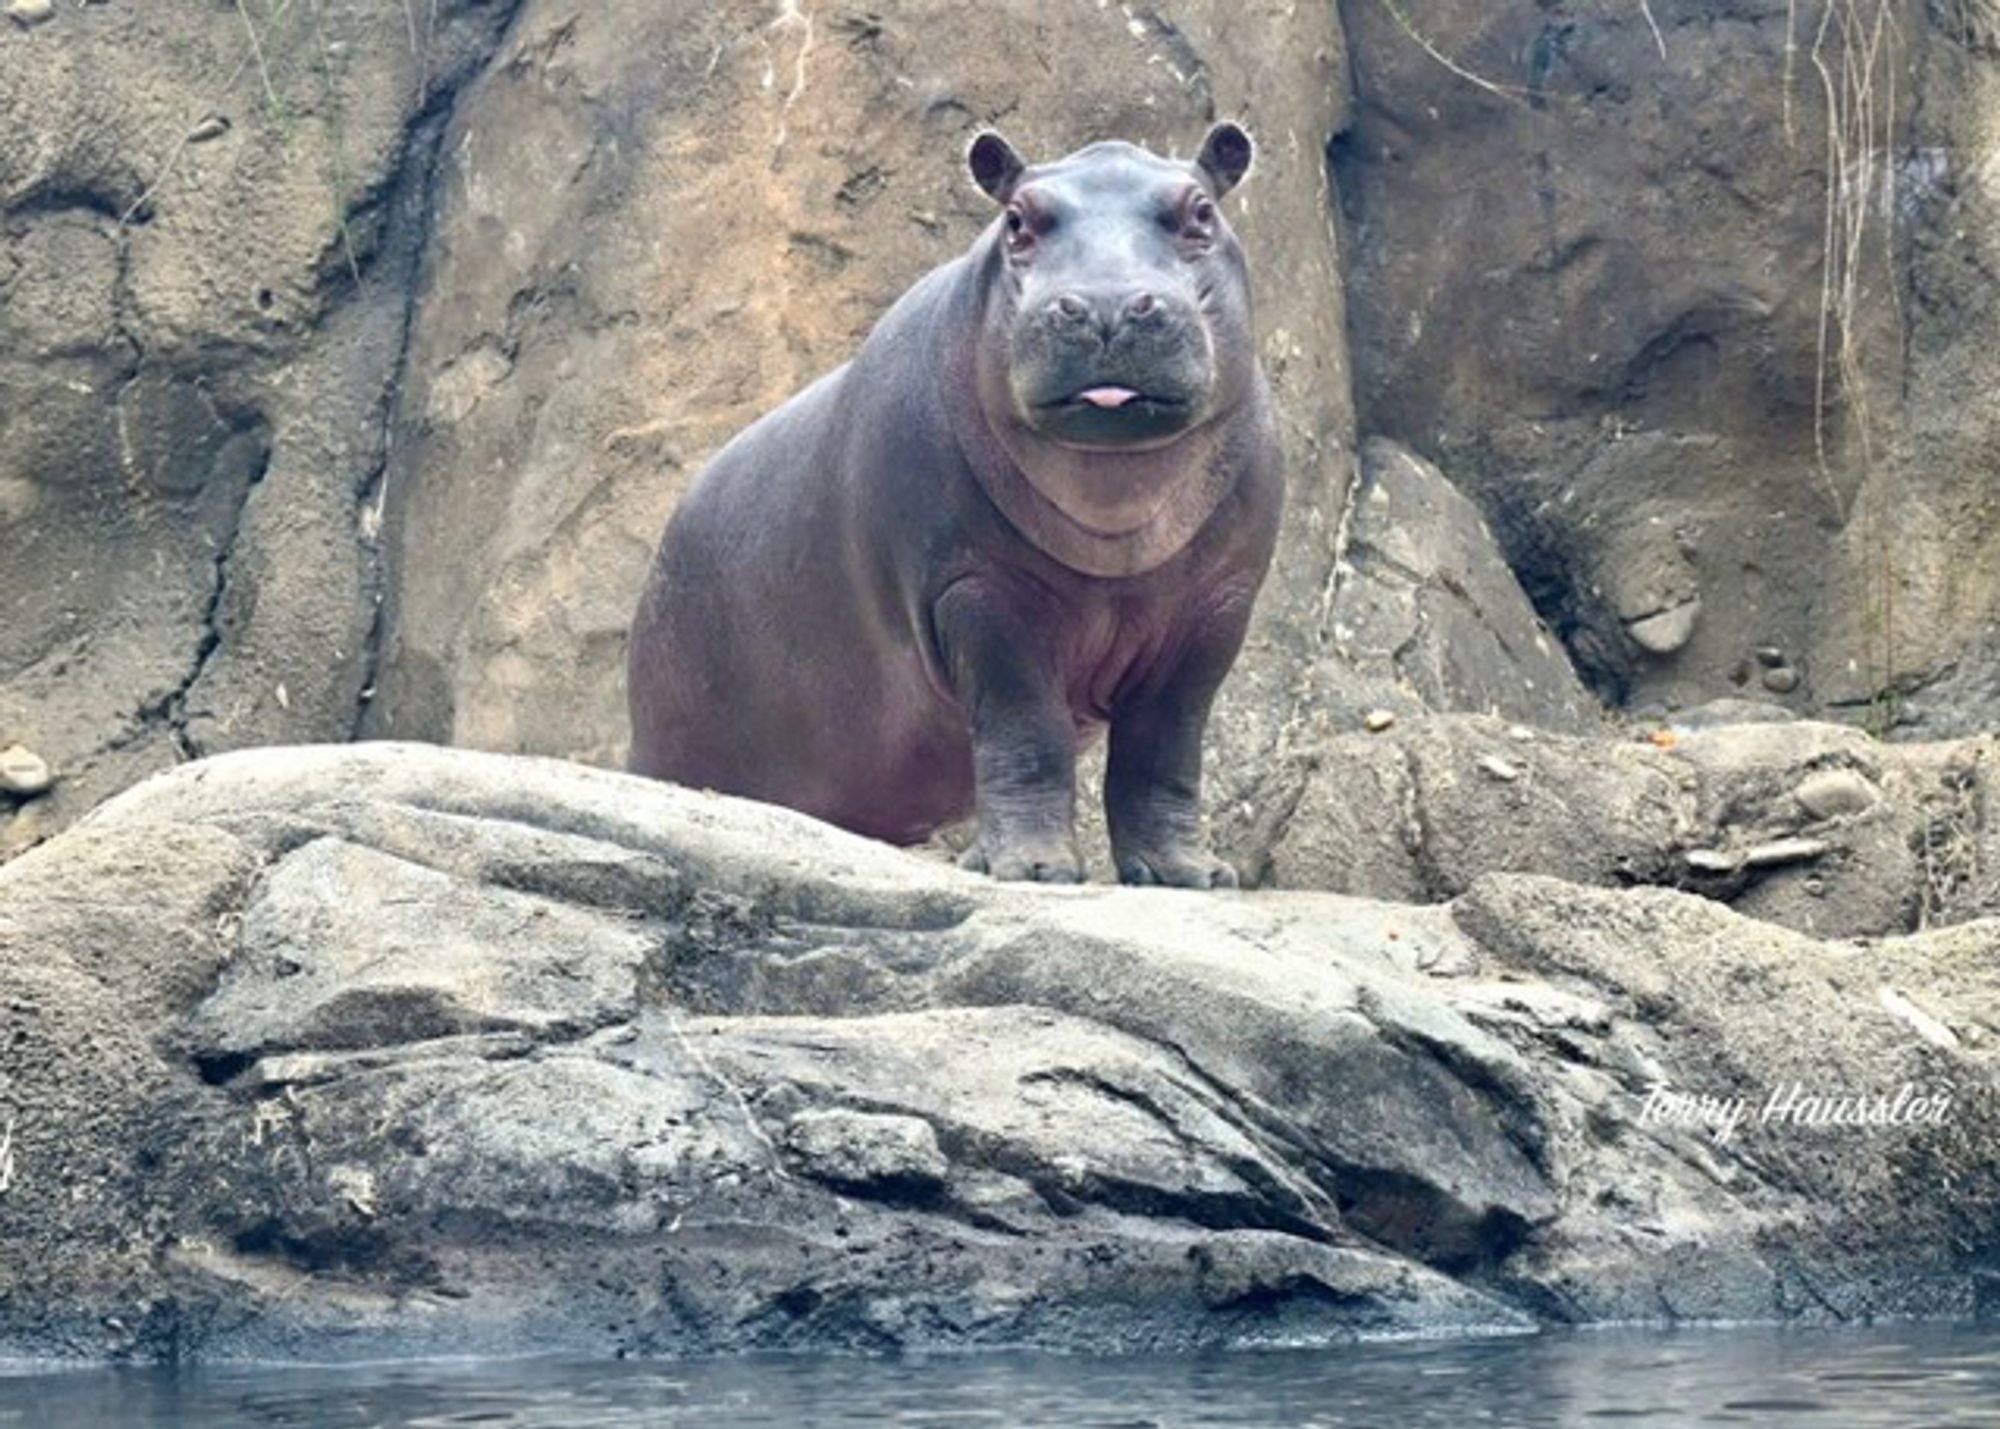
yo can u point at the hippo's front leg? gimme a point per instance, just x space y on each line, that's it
1023 740
1152 783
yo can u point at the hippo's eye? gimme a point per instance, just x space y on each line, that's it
1020 233
1194 217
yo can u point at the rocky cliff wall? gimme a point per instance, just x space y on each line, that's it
355 354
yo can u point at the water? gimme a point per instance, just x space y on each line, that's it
1845 1379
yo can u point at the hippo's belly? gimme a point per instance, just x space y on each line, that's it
898 771
906 770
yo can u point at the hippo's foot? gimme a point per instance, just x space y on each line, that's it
1018 860
1183 865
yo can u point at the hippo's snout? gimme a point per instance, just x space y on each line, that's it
1104 314
1112 366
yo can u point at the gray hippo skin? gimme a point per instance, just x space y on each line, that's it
1040 500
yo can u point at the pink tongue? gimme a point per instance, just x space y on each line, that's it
1107 396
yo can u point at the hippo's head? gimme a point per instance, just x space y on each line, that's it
1120 316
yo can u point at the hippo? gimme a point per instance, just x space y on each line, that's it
1038 503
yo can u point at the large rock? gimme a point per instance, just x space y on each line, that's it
209 222
1427 616
387 1049
1813 826
758 184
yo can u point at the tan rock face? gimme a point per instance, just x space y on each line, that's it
347 378
660 221
1592 288
208 216
1919 562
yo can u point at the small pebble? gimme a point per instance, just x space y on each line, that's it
1781 851
1782 680
1919 1021
1769 656
213 127
30 12
1520 734
1501 769
1833 792
1668 630
1379 720
1713 860
23 772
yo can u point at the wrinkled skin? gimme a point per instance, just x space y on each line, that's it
1039 501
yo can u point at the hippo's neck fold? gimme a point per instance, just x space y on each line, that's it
1104 513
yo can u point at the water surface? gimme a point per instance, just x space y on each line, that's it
1844 1379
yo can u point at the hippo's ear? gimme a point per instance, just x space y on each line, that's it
994 164
1225 156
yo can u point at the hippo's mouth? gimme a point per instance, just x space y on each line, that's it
1107 415
1110 397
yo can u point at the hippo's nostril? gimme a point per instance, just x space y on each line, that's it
1072 306
1141 305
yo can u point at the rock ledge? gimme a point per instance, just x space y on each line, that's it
387 1048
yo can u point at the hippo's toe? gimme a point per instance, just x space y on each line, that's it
1174 868
1055 862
